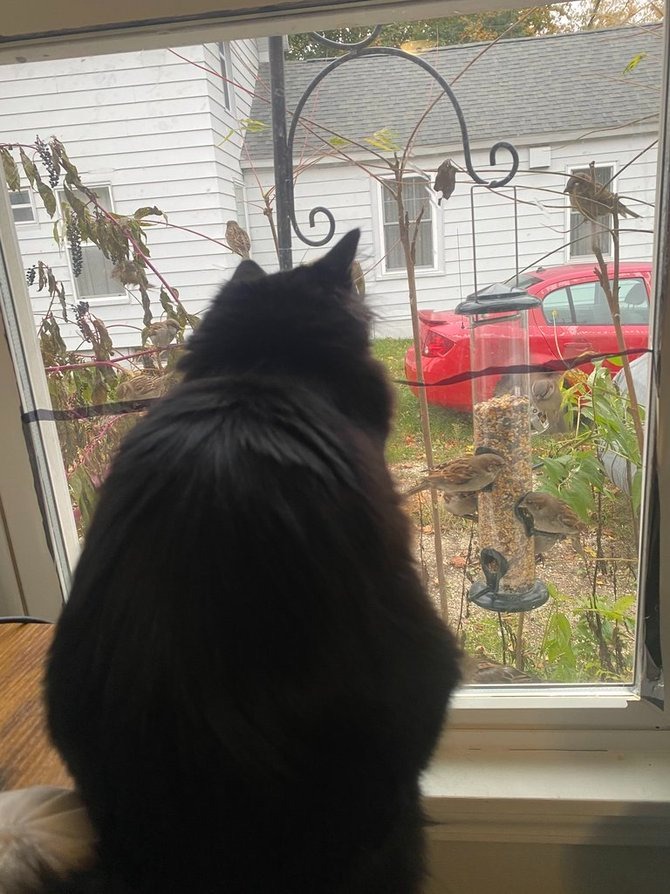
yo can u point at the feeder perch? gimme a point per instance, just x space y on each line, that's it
499 340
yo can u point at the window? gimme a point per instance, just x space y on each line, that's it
226 63
416 197
95 279
22 206
585 304
581 229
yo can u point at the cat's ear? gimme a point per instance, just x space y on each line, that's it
339 259
248 271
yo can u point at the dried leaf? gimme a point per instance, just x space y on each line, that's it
11 169
29 167
47 196
146 211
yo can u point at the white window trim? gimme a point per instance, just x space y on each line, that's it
525 739
381 272
224 52
580 259
123 296
35 222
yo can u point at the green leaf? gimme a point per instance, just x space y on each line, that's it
338 142
634 62
11 170
252 125
616 361
384 139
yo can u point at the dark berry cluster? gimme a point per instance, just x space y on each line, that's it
31 274
74 241
45 154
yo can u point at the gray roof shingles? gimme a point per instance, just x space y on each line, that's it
519 87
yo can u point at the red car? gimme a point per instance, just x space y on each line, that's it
574 318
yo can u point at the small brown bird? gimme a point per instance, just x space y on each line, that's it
141 386
465 474
548 515
547 398
492 672
358 278
461 504
545 542
593 200
445 180
161 334
237 239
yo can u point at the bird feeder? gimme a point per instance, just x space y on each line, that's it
499 352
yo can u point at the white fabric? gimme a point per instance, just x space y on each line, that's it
42 826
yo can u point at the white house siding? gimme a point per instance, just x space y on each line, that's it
144 124
353 197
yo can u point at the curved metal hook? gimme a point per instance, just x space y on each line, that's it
400 54
338 45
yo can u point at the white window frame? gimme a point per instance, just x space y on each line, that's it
226 65
436 227
579 259
123 296
545 736
241 202
30 203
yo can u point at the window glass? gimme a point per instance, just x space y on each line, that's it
582 229
416 199
22 208
556 308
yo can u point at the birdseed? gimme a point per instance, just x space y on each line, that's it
502 423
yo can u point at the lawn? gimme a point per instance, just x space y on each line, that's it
451 431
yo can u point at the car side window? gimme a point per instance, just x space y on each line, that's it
590 304
633 302
557 308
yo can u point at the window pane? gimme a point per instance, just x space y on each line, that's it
95 279
584 230
23 214
556 308
225 74
633 302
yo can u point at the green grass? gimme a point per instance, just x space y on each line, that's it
451 431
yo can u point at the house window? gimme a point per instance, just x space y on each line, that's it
226 64
416 197
581 228
22 206
95 279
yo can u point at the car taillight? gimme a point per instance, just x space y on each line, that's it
435 345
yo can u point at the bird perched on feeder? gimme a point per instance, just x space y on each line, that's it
545 514
545 393
593 200
445 180
462 504
358 278
463 475
237 239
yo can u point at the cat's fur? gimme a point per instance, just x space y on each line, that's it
248 678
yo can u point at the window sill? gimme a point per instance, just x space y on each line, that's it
562 796
402 274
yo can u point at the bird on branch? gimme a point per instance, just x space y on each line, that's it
594 200
237 239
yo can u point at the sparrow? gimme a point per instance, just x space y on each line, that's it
463 475
593 200
445 180
462 504
545 393
161 334
544 542
140 387
237 239
545 514
481 668
358 278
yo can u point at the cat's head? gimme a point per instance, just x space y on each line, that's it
308 323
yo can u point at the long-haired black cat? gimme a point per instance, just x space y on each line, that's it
248 677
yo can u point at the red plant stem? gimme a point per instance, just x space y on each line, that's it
68 367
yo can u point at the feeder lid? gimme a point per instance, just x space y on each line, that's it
495 299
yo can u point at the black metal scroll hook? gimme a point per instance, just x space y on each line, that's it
360 50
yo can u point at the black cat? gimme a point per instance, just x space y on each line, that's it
248 678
